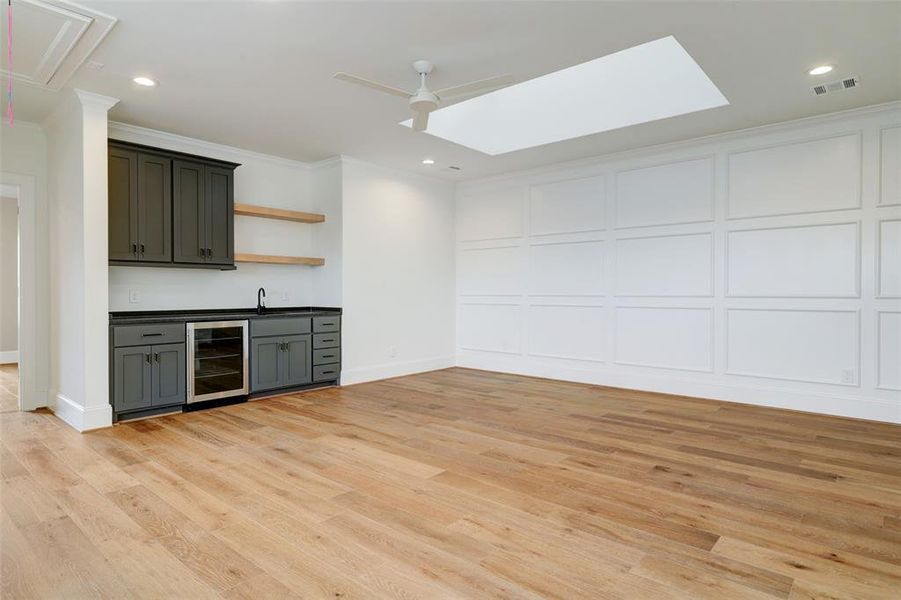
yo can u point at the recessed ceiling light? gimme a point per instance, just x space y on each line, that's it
145 81
610 92
428 161
821 70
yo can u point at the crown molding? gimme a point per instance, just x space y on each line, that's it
92 100
860 112
213 148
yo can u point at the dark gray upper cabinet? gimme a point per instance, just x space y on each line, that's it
170 209
123 204
190 212
220 215
154 208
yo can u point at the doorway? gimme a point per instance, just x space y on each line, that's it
9 299
24 357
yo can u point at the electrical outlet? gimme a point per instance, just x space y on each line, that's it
392 352
133 296
285 295
849 376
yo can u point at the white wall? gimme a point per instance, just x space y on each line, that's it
398 273
761 267
262 180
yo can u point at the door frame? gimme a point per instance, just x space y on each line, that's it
33 333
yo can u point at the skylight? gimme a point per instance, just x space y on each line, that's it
645 83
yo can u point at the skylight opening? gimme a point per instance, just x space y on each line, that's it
645 83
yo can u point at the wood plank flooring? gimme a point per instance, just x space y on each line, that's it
9 387
454 484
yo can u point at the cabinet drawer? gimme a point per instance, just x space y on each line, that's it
326 340
326 356
136 335
326 324
286 326
326 372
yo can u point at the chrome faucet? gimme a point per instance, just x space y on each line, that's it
260 305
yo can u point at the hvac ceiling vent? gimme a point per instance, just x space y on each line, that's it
836 86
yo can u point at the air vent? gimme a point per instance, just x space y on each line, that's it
836 86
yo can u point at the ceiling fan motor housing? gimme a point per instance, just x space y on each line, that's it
423 100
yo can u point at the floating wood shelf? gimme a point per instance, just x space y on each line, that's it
280 260
250 210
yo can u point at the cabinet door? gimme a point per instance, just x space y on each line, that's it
168 381
154 208
189 212
122 177
132 372
220 215
297 357
266 365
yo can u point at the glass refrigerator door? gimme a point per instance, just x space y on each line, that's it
218 360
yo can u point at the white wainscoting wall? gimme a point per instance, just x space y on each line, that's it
761 266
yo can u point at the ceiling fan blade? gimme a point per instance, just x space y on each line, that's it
482 85
381 87
420 120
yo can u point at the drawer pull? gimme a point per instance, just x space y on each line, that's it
327 372
158 334
328 356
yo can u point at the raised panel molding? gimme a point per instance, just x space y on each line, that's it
567 331
890 166
672 265
804 261
888 258
490 327
493 214
567 206
888 350
818 175
808 345
490 271
670 193
667 337
566 268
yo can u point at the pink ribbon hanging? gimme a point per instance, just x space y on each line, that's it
9 61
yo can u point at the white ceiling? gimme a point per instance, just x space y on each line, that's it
258 75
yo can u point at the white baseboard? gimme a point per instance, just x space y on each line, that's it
384 371
9 356
759 394
79 417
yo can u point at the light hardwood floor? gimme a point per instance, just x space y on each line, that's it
9 388
455 484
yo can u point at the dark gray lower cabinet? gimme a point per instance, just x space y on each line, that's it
168 377
132 373
297 359
146 376
282 361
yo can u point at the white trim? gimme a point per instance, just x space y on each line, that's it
8 357
81 419
758 394
385 371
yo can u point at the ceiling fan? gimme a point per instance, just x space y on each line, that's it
423 101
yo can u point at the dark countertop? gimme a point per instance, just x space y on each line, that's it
183 316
